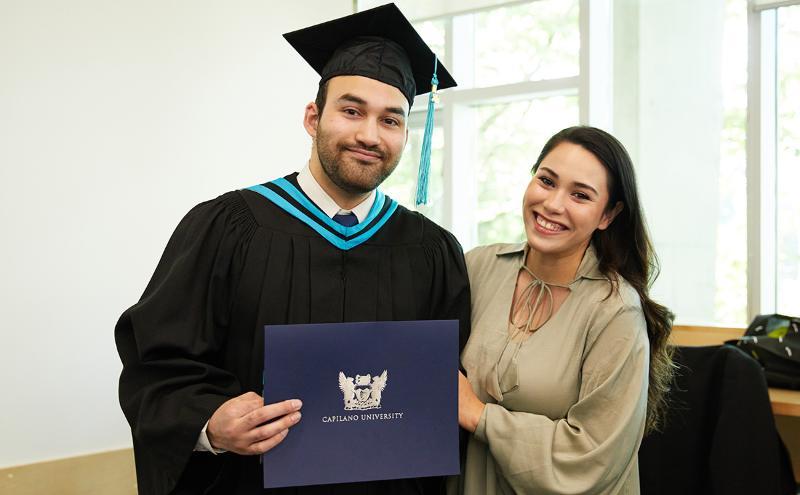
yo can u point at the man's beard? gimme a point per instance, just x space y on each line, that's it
346 172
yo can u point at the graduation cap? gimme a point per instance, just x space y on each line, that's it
380 44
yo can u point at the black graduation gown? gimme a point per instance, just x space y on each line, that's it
233 265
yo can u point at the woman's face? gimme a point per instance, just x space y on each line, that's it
566 201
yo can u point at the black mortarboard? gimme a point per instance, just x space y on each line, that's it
377 43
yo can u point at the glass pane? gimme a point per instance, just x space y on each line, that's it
510 138
730 299
402 184
433 32
788 151
526 42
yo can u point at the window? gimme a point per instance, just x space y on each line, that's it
775 157
506 152
518 68
788 160
402 184
730 295
716 186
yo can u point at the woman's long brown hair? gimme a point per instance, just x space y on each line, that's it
624 250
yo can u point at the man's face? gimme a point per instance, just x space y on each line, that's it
361 133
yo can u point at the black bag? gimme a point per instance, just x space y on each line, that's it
774 341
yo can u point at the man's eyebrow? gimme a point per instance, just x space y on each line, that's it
349 97
352 99
397 110
576 184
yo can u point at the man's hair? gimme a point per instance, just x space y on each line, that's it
322 95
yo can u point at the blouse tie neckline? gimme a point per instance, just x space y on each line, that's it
508 381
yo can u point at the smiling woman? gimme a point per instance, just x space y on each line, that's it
567 200
567 360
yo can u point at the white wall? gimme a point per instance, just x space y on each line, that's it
668 112
115 119
679 146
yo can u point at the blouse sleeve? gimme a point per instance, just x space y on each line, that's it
596 443
171 340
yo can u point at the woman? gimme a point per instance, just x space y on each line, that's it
567 361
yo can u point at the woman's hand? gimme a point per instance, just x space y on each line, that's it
470 407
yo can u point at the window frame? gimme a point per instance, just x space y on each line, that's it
762 158
593 87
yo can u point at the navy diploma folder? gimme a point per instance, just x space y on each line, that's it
380 401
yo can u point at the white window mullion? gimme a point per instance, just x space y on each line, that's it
596 52
583 76
761 164
460 139
758 5
449 165
516 91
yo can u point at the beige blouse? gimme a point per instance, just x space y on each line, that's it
572 418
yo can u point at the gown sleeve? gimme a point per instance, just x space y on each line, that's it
170 342
592 447
450 290
451 301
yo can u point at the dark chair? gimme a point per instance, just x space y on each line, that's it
720 435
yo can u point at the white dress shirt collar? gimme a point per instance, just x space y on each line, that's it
317 194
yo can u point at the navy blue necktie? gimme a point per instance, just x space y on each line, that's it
348 220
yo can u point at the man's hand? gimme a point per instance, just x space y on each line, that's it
246 426
470 407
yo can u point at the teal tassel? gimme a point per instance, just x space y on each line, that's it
425 158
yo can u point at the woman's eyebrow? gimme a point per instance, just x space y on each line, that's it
576 184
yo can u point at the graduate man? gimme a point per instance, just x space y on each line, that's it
322 245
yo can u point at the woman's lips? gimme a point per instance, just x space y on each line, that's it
547 226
